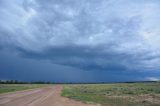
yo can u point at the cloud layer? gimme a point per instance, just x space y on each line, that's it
106 35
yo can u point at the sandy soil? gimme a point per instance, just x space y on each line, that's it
49 96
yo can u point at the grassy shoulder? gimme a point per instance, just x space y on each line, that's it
126 94
5 88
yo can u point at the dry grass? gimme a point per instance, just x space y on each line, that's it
126 94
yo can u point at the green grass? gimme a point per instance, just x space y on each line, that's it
5 88
126 94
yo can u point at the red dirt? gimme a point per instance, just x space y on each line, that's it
49 96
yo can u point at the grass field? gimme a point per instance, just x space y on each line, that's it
4 88
122 94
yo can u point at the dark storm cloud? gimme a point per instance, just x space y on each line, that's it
87 35
88 58
82 57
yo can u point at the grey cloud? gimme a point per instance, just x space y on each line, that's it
91 35
87 58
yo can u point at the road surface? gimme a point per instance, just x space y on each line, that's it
48 96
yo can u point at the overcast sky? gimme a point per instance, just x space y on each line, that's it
80 40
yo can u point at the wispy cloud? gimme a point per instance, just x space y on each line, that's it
153 79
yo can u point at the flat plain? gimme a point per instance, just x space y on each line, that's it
117 94
120 94
5 88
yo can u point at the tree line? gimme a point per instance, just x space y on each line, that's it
23 82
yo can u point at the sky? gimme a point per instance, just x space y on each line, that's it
80 40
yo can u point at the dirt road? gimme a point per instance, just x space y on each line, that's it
49 96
